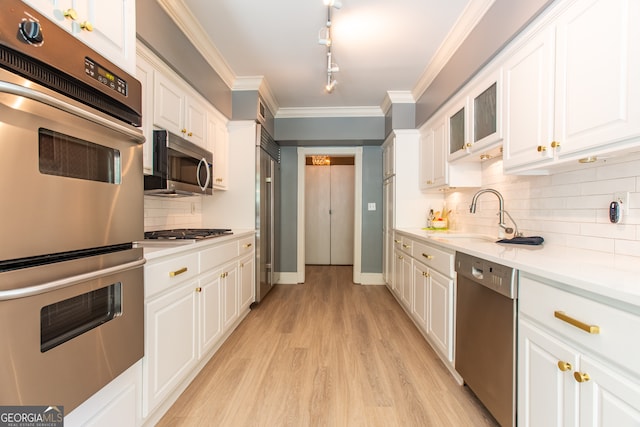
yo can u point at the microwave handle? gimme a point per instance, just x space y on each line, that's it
203 161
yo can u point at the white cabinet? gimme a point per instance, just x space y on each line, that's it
436 172
576 363
474 119
229 283
177 110
108 27
170 342
144 73
425 287
218 143
192 303
210 321
570 93
247 280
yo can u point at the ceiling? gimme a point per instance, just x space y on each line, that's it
384 49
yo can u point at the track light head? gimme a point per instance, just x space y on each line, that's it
333 3
331 85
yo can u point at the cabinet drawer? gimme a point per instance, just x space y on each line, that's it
616 339
246 245
165 274
219 254
404 244
435 258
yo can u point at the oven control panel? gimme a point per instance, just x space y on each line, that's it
104 76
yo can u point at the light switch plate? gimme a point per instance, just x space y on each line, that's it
371 206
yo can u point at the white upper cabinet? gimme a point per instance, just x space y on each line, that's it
571 91
435 171
475 119
218 142
144 73
108 27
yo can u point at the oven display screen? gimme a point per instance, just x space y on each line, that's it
104 76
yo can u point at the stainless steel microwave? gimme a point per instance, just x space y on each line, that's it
180 167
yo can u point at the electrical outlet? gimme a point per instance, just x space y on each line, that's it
371 206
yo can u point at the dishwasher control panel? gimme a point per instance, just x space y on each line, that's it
500 278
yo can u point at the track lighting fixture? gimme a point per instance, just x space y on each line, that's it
324 38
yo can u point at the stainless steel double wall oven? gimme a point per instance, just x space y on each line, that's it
71 282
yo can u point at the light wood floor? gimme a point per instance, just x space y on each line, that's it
326 353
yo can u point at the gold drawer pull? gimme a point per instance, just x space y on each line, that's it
541 148
592 329
70 14
564 366
396 240
555 144
198 289
87 26
247 245
178 272
190 134
405 246
581 377
425 274
427 256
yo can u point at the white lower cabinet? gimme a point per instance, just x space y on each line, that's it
192 303
171 342
568 376
425 287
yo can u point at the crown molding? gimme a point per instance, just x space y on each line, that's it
258 83
467 21
396 97
191 28
288 113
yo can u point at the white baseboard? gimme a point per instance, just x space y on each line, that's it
371 279
287 278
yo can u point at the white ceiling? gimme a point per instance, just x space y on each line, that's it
379 45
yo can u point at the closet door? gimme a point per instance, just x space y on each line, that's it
318 220
342 214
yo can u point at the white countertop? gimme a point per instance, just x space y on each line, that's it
154 249
612 276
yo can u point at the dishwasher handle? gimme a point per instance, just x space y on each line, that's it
476 272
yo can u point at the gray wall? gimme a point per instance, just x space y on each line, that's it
502 22
288 210
330 131
371 220
156 30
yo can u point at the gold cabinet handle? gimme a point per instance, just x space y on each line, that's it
198 289
183 130
425 274
190 134
581 377
218 179
178 272
247 245
468 145
70 14
400 257
405 246
564 366
427 256
592 329
87 26
541 148
555 144
397 241
429 182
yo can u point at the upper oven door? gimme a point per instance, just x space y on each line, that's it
70 176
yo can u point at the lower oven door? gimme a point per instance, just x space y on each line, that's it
73 174
62 341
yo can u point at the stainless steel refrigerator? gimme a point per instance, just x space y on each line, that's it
267 211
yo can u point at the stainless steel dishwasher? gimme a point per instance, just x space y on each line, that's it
485 353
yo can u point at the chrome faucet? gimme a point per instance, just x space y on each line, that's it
501 212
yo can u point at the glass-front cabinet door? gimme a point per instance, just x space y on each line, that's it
486 112
457 123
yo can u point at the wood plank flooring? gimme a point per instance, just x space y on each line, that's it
326 353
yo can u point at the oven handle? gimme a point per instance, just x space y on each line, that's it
68 281
49 100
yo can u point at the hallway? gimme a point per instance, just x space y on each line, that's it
326 353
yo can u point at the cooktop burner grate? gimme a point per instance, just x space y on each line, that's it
187 233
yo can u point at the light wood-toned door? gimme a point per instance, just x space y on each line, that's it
329 211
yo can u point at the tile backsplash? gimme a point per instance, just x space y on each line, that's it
163 213
568 208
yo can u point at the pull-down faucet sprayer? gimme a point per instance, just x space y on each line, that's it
501 212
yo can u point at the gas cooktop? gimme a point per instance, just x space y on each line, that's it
187 233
